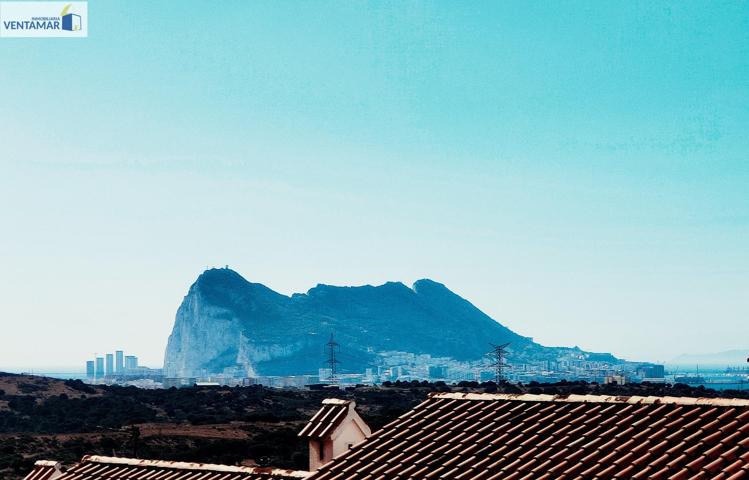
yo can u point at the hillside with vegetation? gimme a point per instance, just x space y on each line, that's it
43 418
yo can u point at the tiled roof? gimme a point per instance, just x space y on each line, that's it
511 437
44 470
326 419
94 467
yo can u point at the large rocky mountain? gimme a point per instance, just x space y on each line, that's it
226 321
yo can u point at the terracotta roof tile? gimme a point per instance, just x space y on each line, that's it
533 437
94 467
714 466
44 470
326 419
738 475
743 416
680 475
625 473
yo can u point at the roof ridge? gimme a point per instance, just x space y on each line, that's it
576 398
193 466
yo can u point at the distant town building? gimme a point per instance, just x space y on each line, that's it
207 384
110 365
438 371
651 371
118 368
615 380
179 382
131 362
119 364
397 372
99 367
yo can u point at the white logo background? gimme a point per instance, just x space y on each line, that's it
26 11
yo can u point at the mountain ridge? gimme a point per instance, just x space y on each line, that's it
226 321
727 357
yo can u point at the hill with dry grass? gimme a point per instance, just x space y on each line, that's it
44 418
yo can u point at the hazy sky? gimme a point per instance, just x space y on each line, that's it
578 170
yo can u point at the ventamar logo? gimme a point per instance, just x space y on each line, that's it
70 21
43 19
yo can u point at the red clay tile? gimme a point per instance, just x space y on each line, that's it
625 473
739 475
112 468
485 436
680 475
715 465
697 463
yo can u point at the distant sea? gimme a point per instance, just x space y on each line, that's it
53 372
716 377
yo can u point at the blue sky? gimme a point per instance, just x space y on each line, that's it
578 170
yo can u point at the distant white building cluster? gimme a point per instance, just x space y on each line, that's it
404 366
118 368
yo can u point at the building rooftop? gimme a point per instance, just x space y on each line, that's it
44 470
511 437
93 467
326 419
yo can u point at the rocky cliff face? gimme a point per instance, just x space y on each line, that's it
226 321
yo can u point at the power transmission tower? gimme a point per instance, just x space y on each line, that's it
498 354
332 348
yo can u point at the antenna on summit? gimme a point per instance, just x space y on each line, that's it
332 348
498 354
